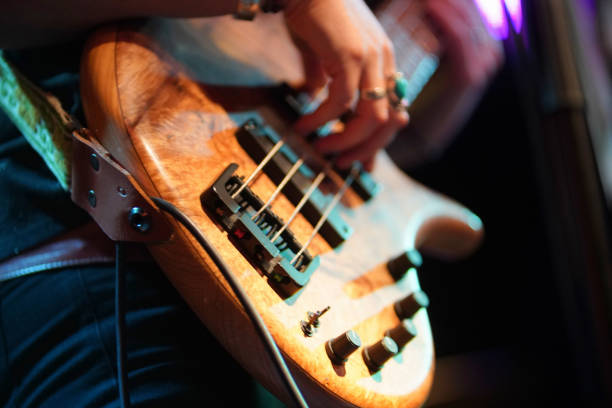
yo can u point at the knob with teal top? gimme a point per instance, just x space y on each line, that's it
376 355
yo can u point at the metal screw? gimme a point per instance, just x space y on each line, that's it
309 326
250 125
94 161
139 219
122 191
91 196
306 328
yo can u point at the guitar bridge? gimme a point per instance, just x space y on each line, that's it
253 235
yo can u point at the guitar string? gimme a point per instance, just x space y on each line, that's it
260 166
303 201
262 330
316 182
347 182
282 184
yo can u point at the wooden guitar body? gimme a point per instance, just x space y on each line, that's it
166 98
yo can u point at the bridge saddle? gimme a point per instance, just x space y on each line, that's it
253 236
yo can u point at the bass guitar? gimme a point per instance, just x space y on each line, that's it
194 111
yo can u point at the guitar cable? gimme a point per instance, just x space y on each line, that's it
120 326
120 312
249 307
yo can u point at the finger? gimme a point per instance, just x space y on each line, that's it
450 23
342 90
468 12
370 114
460 47
464 9
368 149
376 32
487 43
356 130
314 74
368 165
473 15
388 53
484 42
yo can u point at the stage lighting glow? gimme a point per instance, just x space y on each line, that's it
516 13
493 13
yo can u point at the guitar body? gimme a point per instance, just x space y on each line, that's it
166 99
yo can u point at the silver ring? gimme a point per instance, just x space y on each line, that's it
373 93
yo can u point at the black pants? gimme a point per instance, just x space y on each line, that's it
57 345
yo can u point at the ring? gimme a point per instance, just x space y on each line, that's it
397 91
373 94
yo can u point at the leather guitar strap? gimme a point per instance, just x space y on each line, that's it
85 245
98 184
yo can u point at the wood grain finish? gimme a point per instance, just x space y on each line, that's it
176 135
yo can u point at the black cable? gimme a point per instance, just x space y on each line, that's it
260 326
120 330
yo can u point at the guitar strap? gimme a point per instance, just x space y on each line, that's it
40 118
97 183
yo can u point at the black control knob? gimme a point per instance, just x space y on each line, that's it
378 353
402 333
408 306
399 265
341 347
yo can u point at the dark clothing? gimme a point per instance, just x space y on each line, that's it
57 339
33 206
57 344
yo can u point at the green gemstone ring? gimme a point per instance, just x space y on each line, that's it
397 91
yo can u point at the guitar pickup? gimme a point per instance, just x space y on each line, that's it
254 236
258 140
364 185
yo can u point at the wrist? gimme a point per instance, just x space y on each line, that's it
274 6
247 9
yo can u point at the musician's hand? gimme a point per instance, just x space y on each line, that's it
343 43
471 58
472 53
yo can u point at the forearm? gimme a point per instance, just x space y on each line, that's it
26 23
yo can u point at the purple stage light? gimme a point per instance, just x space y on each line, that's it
493 14
516 13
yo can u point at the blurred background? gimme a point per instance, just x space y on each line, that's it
526 321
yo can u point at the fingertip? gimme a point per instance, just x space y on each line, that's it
402 118
313 85
312 121
368 165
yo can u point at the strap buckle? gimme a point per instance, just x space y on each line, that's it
111 196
